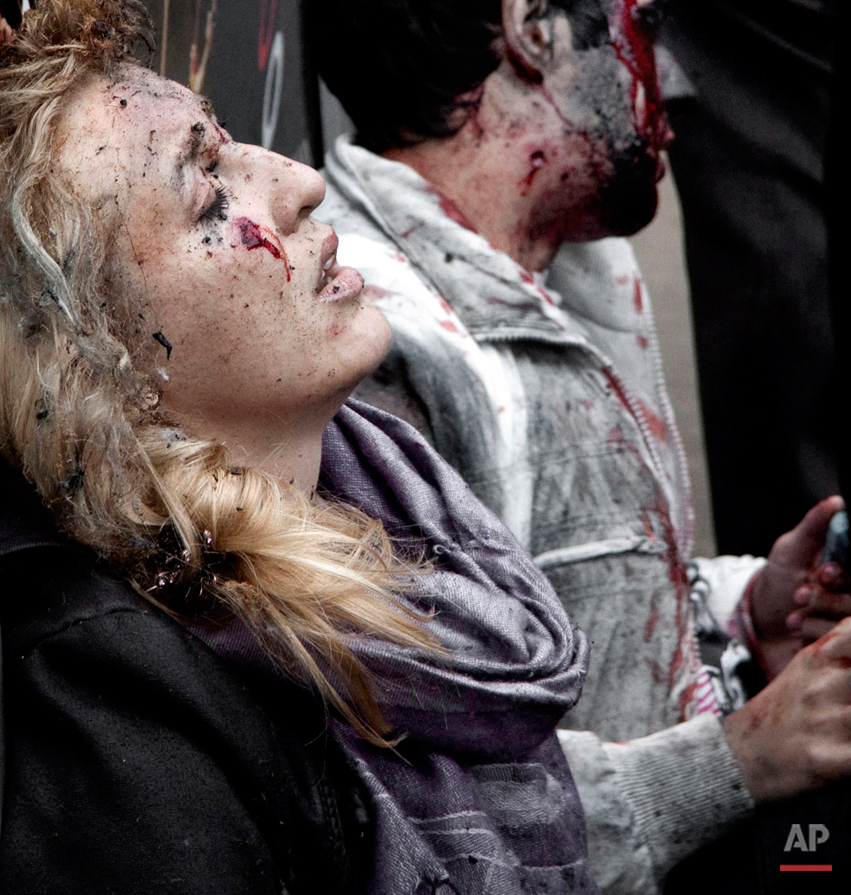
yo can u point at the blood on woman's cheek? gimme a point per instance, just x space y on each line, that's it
253 236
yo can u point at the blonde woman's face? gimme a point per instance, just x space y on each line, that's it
252 320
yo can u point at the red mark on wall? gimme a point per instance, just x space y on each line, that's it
537 160
253 238
268 9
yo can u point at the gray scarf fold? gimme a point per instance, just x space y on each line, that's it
478 798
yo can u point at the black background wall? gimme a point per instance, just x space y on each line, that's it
250 63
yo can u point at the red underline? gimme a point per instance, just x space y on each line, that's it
806 866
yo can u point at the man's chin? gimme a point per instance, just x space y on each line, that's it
628 205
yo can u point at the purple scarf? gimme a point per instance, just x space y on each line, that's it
478 798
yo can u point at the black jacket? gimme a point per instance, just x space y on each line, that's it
138 761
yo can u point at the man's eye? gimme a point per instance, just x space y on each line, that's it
216 210
589 24
649 16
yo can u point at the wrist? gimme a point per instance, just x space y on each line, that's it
760 757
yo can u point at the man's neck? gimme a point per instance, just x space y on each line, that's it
503 172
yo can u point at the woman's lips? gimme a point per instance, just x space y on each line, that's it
336 283
345 283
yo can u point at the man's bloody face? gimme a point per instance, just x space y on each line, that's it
629 200
613 128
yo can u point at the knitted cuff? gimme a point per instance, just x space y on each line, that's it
684 786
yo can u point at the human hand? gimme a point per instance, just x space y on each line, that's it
822 601
796 599
795 735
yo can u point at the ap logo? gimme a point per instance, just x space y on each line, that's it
818 833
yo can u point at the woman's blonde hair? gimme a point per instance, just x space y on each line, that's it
79 415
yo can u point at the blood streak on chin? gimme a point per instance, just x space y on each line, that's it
635 51
253 238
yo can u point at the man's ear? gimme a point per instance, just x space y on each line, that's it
527 27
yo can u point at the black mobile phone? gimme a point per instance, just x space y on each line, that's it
836 540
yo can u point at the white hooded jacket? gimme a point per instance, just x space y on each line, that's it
547 395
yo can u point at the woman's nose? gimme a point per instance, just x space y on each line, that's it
293 189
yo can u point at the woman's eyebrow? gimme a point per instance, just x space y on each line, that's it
194 146
191 151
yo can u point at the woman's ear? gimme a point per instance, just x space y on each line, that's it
527 27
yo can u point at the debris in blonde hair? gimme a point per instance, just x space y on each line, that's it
74 482
160 337
303 577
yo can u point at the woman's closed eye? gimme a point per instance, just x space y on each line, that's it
216 210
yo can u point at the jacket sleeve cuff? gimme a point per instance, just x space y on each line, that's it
651 802
727 577
685 788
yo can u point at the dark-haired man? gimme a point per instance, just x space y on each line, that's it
499 147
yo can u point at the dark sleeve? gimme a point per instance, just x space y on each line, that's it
137 762
120 777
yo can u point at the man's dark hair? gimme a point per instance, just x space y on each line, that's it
400 66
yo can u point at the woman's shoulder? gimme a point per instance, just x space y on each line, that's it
53 590
136 755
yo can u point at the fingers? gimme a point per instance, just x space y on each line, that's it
818 605
807 538
835 645
831 575
827 604
796 733
812 629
